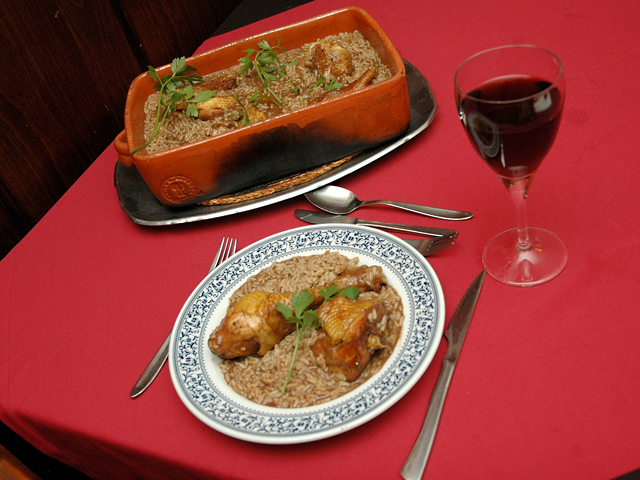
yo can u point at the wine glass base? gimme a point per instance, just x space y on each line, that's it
543 262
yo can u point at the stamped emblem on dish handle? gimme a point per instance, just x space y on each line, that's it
179 189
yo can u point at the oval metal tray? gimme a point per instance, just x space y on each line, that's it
141 206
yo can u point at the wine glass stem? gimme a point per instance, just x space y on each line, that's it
519 190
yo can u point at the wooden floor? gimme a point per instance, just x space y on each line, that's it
19 460
13 469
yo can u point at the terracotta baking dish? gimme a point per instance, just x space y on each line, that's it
280 146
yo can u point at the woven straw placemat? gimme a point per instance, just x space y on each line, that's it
277 186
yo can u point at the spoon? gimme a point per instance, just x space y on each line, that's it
341 201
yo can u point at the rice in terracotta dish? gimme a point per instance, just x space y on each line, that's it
309 74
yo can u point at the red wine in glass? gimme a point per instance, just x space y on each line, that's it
510 101
513 137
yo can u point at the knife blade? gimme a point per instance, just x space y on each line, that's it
320 217
151 372
416 462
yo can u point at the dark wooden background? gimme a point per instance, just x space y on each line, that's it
66 68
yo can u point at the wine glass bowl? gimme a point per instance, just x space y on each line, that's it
510 102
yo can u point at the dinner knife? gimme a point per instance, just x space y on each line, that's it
320 217
416 462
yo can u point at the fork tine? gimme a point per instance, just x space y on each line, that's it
438 248
225 253
441 244
231 249
429 246
226 249
218 254
442 241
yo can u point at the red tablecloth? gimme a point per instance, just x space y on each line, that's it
548 384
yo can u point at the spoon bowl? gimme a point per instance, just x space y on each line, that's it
334 199
340 201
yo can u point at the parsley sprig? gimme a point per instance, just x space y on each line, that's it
333 84
321 81
176 88
305 318
266 63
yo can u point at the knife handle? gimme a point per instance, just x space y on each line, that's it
433 232
435 212
416 462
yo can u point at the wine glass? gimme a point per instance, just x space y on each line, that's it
510 102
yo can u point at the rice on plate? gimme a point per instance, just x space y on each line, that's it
199 382
261 379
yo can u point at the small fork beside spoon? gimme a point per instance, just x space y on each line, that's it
431 245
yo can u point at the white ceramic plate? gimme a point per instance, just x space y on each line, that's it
198 380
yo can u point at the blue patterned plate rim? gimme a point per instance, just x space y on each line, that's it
204 392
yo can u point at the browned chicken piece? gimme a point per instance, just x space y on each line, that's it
213 108
363 278
224 80
254 325
361 82
351 331
254 114
325 56
216 106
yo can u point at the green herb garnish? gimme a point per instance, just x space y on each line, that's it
175 89
333 84
243 115
304 318
268 68
321 81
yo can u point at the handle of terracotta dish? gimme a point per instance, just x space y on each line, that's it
122 147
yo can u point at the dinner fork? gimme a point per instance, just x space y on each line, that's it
431 245
227 249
